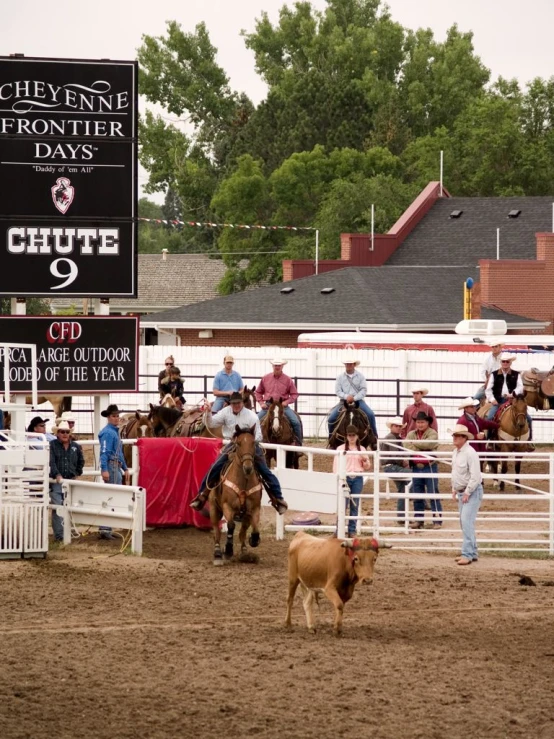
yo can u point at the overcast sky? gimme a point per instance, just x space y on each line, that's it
513 38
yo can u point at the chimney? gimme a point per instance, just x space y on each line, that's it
164 255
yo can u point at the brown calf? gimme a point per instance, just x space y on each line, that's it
332 566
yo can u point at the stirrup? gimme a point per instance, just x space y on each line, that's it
280 505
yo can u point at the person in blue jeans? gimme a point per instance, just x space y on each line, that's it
351 386
421 441
391 449
467 489
112 461
355 463
226 382
66 463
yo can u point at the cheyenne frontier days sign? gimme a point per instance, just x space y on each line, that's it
75 354
68 177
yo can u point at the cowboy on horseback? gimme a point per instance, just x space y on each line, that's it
278 385
503 384
229 418
350 386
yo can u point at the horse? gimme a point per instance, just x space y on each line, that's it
513 427
135 426
172 422
60 403
539 388
350 415
238 495
277 429
249 398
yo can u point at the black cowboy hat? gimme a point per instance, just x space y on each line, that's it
35 422
235 398
110 410
422 416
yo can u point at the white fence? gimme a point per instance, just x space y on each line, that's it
450 376
23 498
507 521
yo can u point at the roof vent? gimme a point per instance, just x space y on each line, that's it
514 213
287 290
327 290
456 213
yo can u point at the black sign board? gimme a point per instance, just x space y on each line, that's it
68 154
53 252
95 354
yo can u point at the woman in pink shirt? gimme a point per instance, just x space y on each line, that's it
355 463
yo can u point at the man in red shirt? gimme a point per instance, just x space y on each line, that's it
278 385
418 406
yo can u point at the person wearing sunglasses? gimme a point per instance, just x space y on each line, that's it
66 463
505 383
164 375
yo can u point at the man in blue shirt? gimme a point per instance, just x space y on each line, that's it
226 382
112 461
351 386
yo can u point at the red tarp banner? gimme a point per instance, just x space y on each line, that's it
171 471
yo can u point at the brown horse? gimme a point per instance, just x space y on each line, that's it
513 427
136 426
277 429
173 422
350 415
238 495
539 388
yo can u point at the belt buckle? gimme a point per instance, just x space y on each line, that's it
420 466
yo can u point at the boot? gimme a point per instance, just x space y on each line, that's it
200 501
280 505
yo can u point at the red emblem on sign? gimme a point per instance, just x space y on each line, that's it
63 194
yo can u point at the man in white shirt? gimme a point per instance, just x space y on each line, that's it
467 488
235 414
491 363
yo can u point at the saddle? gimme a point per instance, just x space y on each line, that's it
539 380
191 422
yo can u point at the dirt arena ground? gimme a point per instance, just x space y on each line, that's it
166 645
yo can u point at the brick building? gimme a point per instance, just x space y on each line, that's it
410 279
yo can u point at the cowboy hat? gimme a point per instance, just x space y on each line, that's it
419 389
110 410
422 416
351 359
396 421
467 402
235 398
495 343
279 362
63 426
68 416
459 429
505 357
35 422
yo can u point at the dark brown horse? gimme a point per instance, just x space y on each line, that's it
238 495
173 422
277 429
350 415
136 426
513 428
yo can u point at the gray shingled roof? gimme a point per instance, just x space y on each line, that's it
439 240
178 280
362 296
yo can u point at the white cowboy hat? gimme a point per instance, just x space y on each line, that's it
419 389
63 426
505 357
351 359
496 343
467 402
396 421
459 429
279 362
